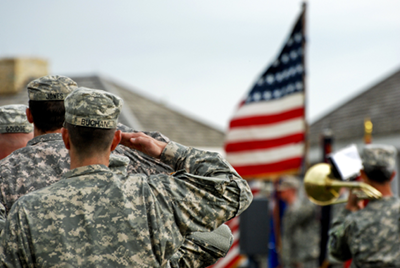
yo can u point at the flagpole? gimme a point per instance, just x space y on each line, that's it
306 125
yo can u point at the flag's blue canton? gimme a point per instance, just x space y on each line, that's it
285 75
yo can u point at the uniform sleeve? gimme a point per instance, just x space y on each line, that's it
154 134
203 249
15 243
138 161
204 192
338 244
3 217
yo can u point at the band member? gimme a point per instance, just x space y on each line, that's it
370 235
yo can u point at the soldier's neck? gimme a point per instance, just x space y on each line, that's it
96 159
385 188
37 132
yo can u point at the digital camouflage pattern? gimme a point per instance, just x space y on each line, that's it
45 159
202 249
33 167
92 108
379 155
288 182
50 88
107 221
13 119
369 236
301 235
140 162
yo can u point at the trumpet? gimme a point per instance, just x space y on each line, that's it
323 188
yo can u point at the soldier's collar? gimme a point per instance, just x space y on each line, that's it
85 170
45 138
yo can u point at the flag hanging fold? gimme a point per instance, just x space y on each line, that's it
266 134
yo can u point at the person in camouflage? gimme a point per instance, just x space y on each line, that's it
15 130
370 235
96 218
45 159
300 227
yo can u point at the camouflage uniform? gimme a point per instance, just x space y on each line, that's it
140 221
196 248
33 167
370 236
300 238
45 159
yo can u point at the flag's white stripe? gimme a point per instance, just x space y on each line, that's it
228 258
236 235
271 107
263 132
265 156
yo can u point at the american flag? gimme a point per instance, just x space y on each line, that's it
266 134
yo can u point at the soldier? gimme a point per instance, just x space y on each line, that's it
370 235
46 154
94 218
300 236
45 159
15 130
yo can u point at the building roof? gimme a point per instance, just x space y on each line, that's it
143 113
380 103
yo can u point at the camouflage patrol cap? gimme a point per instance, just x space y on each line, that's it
13 119
92 108
379 155
288 182
50 88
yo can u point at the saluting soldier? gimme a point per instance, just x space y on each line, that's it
96 218
370 235
45 159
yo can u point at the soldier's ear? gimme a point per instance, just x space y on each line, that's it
65 137
392 176
29 115
116 139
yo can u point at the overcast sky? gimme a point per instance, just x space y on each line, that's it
201 57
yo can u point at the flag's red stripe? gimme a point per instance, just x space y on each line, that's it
263 144
269 168
233 262
230 221
267 119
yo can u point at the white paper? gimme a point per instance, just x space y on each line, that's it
347 161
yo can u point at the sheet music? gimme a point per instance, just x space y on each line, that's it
347 161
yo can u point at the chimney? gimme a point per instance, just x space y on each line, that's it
16 73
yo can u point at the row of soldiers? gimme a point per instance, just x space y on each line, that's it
87 191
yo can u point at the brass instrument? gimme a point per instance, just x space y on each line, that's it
323 188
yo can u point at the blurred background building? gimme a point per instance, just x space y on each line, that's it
139 111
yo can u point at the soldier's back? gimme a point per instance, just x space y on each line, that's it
33 167
373 234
